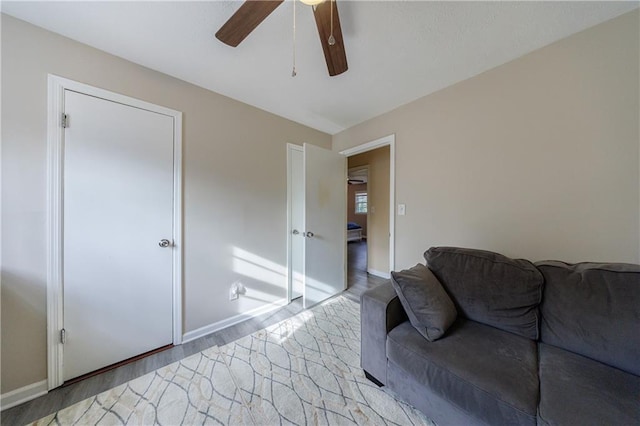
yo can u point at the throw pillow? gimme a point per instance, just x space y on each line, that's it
428 306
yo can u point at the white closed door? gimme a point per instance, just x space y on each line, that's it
296 182
118 206
324 222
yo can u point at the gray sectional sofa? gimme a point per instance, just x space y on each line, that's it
521 343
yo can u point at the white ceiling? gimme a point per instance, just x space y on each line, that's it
396 51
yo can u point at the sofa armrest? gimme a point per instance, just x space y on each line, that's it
380 312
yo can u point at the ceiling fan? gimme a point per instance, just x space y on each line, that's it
253 12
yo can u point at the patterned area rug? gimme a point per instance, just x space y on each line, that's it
302 371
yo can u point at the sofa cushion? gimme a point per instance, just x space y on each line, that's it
575 390
490 288
594 310
429 308
482 370
422 397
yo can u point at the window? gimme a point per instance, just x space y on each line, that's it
361 203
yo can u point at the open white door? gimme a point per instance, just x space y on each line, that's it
325 231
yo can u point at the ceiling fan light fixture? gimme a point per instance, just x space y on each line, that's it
312 2
252 12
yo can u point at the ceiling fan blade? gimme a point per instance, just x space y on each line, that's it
334 55
245 20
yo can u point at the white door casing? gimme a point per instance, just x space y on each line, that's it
325 219
118 166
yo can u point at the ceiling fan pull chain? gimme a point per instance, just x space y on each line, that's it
332 39
293 72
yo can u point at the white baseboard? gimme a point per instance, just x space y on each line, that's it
212 328
379 274
23 394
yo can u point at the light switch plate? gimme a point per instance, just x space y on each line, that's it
402 209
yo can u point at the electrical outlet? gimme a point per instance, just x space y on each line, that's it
241 289
236 290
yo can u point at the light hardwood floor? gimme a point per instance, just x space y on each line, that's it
358 281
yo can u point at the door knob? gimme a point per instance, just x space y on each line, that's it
309 234
164 243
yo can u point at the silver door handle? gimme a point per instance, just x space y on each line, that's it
164 243
295 232
309 234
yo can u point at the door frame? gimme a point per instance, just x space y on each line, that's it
390 141
290 147
55 184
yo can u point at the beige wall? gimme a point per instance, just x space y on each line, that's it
360 219
378 163
234 187
537 158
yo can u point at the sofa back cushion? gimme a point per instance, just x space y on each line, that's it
490 288
593 309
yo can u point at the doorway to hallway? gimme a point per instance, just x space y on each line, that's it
370 207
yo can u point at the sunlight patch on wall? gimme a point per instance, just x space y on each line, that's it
257 267
264 281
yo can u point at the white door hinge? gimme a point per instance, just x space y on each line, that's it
65 121
63 336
